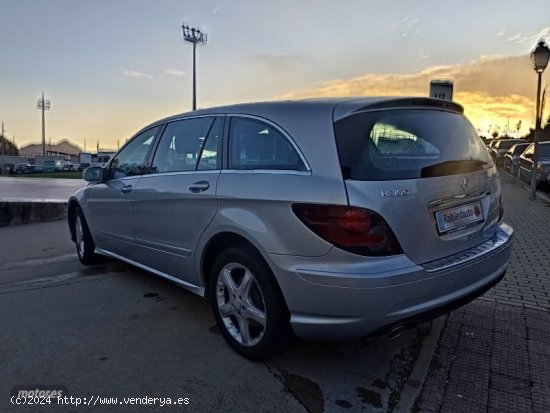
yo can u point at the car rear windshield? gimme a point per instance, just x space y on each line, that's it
518 149
408 144
506 144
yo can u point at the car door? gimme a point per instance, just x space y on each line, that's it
174 204
109 206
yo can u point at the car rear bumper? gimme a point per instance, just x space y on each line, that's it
334 298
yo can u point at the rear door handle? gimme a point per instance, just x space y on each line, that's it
126 189
200 186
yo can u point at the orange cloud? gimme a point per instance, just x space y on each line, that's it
494 90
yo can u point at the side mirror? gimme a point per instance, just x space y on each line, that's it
529 155
92 174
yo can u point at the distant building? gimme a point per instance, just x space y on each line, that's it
63 149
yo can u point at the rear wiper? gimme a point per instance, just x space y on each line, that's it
453 168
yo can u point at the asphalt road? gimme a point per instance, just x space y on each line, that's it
32 189
112 330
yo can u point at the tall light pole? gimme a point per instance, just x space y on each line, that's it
3 140
539 56
43 105
195 36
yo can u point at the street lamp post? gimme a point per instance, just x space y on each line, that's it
195 36
539 56
43 105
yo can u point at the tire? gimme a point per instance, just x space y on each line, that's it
83 240
255 320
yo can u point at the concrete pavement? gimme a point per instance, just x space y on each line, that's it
112 330
494 354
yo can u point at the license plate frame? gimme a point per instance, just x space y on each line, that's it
458 217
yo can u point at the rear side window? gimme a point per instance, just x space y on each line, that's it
408 144
258 145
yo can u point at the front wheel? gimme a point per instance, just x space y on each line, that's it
83 239
248 305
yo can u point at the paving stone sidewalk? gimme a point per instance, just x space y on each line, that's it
494 353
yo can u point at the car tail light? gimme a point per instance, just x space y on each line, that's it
352 229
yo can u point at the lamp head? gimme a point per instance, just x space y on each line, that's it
540 56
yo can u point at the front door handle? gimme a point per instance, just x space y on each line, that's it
126 189
200 186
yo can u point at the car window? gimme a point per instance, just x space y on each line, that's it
131 160
257 145
518 149
506 144
209 158
544 150
181 145
408 144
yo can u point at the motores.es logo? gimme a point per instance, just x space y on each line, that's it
41 391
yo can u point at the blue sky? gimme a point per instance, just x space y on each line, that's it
110 67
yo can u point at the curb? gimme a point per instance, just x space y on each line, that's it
28 212
413 386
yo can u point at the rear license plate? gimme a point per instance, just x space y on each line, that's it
458 217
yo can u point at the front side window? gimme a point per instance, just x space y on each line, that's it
257 145
181 145
132 159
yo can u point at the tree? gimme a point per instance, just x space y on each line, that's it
9 147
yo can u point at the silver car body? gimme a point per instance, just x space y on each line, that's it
164 226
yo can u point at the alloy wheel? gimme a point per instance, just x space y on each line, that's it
79 235
241 304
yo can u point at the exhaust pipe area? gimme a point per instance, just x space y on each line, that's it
395 332
398 329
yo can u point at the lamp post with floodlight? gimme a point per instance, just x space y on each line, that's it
43 105
539 56
195 36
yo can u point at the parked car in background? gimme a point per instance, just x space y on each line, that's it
491 144
500 148
49 166
22 168
9 168
70 167
27 168
511 158
325 219
525 169
83 165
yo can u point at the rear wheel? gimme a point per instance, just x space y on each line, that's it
248 306
84 243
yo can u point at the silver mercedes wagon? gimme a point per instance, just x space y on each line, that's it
322 219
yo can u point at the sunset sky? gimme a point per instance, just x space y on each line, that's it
111 67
